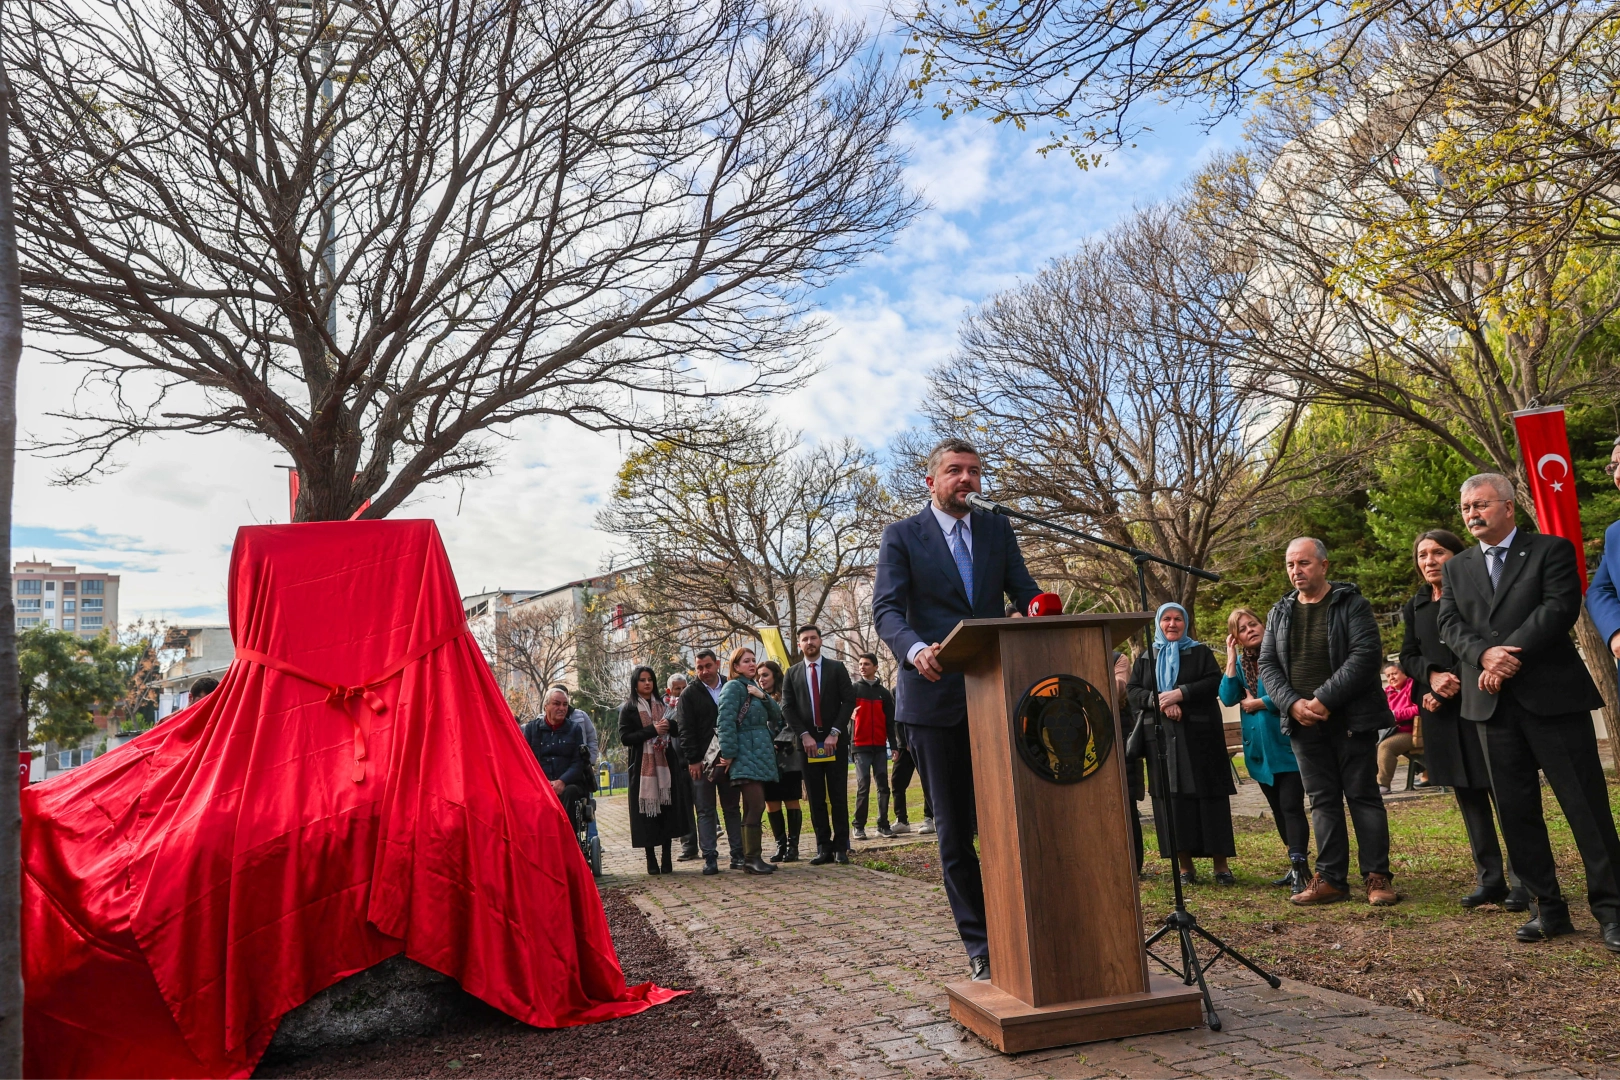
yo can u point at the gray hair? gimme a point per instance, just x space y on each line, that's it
674 678
1493 480
949 446
1321 548
563 690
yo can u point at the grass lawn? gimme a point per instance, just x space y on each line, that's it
1559 1001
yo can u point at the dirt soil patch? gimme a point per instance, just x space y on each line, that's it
1555 1001
689 1037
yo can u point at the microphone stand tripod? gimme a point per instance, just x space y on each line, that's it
1180 922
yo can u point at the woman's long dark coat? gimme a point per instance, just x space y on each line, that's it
676 819
1197 742
1451 752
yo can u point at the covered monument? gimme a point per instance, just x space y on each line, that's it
355 788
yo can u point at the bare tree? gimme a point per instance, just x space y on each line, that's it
538 643
378 233
1087 67
762 534
12 723
1099 397
1385 268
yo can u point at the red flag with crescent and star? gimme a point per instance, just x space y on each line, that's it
1550 470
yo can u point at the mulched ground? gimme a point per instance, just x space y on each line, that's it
1556 1001
689 1037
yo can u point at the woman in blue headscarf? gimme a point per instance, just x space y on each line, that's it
1181 681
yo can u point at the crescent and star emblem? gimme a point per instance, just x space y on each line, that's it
1541 466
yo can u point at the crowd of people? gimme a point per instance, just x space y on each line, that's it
1488 690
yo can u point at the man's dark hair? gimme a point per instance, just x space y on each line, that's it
950 446
706 654
868 656
807 628
202 688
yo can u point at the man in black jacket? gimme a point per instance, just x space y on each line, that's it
818 698
1506 609
559 746
695 714
1320 664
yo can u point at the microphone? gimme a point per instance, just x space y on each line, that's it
979 502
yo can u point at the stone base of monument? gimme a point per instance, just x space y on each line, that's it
397 997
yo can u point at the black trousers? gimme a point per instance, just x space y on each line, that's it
905 767
1480 822
945 759
826 786
1340 767
1286 797
1518 743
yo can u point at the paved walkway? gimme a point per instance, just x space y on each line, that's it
838 970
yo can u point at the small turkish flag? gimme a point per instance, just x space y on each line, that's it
1547 463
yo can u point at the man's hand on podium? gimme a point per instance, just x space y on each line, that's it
926 665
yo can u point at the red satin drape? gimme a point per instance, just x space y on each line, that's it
186 890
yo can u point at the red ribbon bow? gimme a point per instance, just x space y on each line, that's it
338 695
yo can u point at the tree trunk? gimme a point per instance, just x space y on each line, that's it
11 984
1600 662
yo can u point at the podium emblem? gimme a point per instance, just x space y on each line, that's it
1064 729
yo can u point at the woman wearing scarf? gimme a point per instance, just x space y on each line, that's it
1181 679
660 804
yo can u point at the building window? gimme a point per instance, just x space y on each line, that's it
27 605
67 606
90 622
32 620
67 588
50 586
50 605
27 587
94 587
67 624
91 605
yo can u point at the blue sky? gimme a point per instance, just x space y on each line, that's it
998 211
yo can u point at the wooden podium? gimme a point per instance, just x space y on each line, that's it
1060 893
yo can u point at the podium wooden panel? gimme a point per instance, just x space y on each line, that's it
1062 909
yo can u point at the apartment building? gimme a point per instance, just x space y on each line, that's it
62 597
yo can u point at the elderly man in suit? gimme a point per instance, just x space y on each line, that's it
818 698
934 569
1506 609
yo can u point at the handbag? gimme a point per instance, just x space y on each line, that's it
713 771
786 745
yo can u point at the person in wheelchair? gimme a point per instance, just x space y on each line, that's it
559 747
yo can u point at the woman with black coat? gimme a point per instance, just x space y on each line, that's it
1195 744
660 796
1452 753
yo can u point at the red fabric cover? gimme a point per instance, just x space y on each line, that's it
184 891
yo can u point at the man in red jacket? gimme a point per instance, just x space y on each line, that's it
870 744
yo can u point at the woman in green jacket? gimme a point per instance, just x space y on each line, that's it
746 749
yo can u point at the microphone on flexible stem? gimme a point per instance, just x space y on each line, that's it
979 502
1044 604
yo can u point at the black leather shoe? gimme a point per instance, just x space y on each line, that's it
841 858
1517 899
711 867
1484 895
822 858
736 863
1286 879
979 968
1611 936
689 855
1553 921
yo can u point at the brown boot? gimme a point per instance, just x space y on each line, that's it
1381 891
1320 891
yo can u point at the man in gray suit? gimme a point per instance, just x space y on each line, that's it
1506 609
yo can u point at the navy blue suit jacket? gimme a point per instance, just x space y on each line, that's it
919 596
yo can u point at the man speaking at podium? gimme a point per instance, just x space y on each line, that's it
935 569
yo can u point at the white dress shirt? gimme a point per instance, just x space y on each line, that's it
947 525
1506 542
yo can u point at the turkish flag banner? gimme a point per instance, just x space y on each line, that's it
1550 470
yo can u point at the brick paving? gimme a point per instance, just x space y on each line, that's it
838 971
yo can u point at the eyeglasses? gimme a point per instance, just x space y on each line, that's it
1612 467
1481 506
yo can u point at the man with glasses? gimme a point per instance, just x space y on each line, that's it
1506 609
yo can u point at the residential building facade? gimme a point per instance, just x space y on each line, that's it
63 598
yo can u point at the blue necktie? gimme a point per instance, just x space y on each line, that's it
1495 560
964 558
